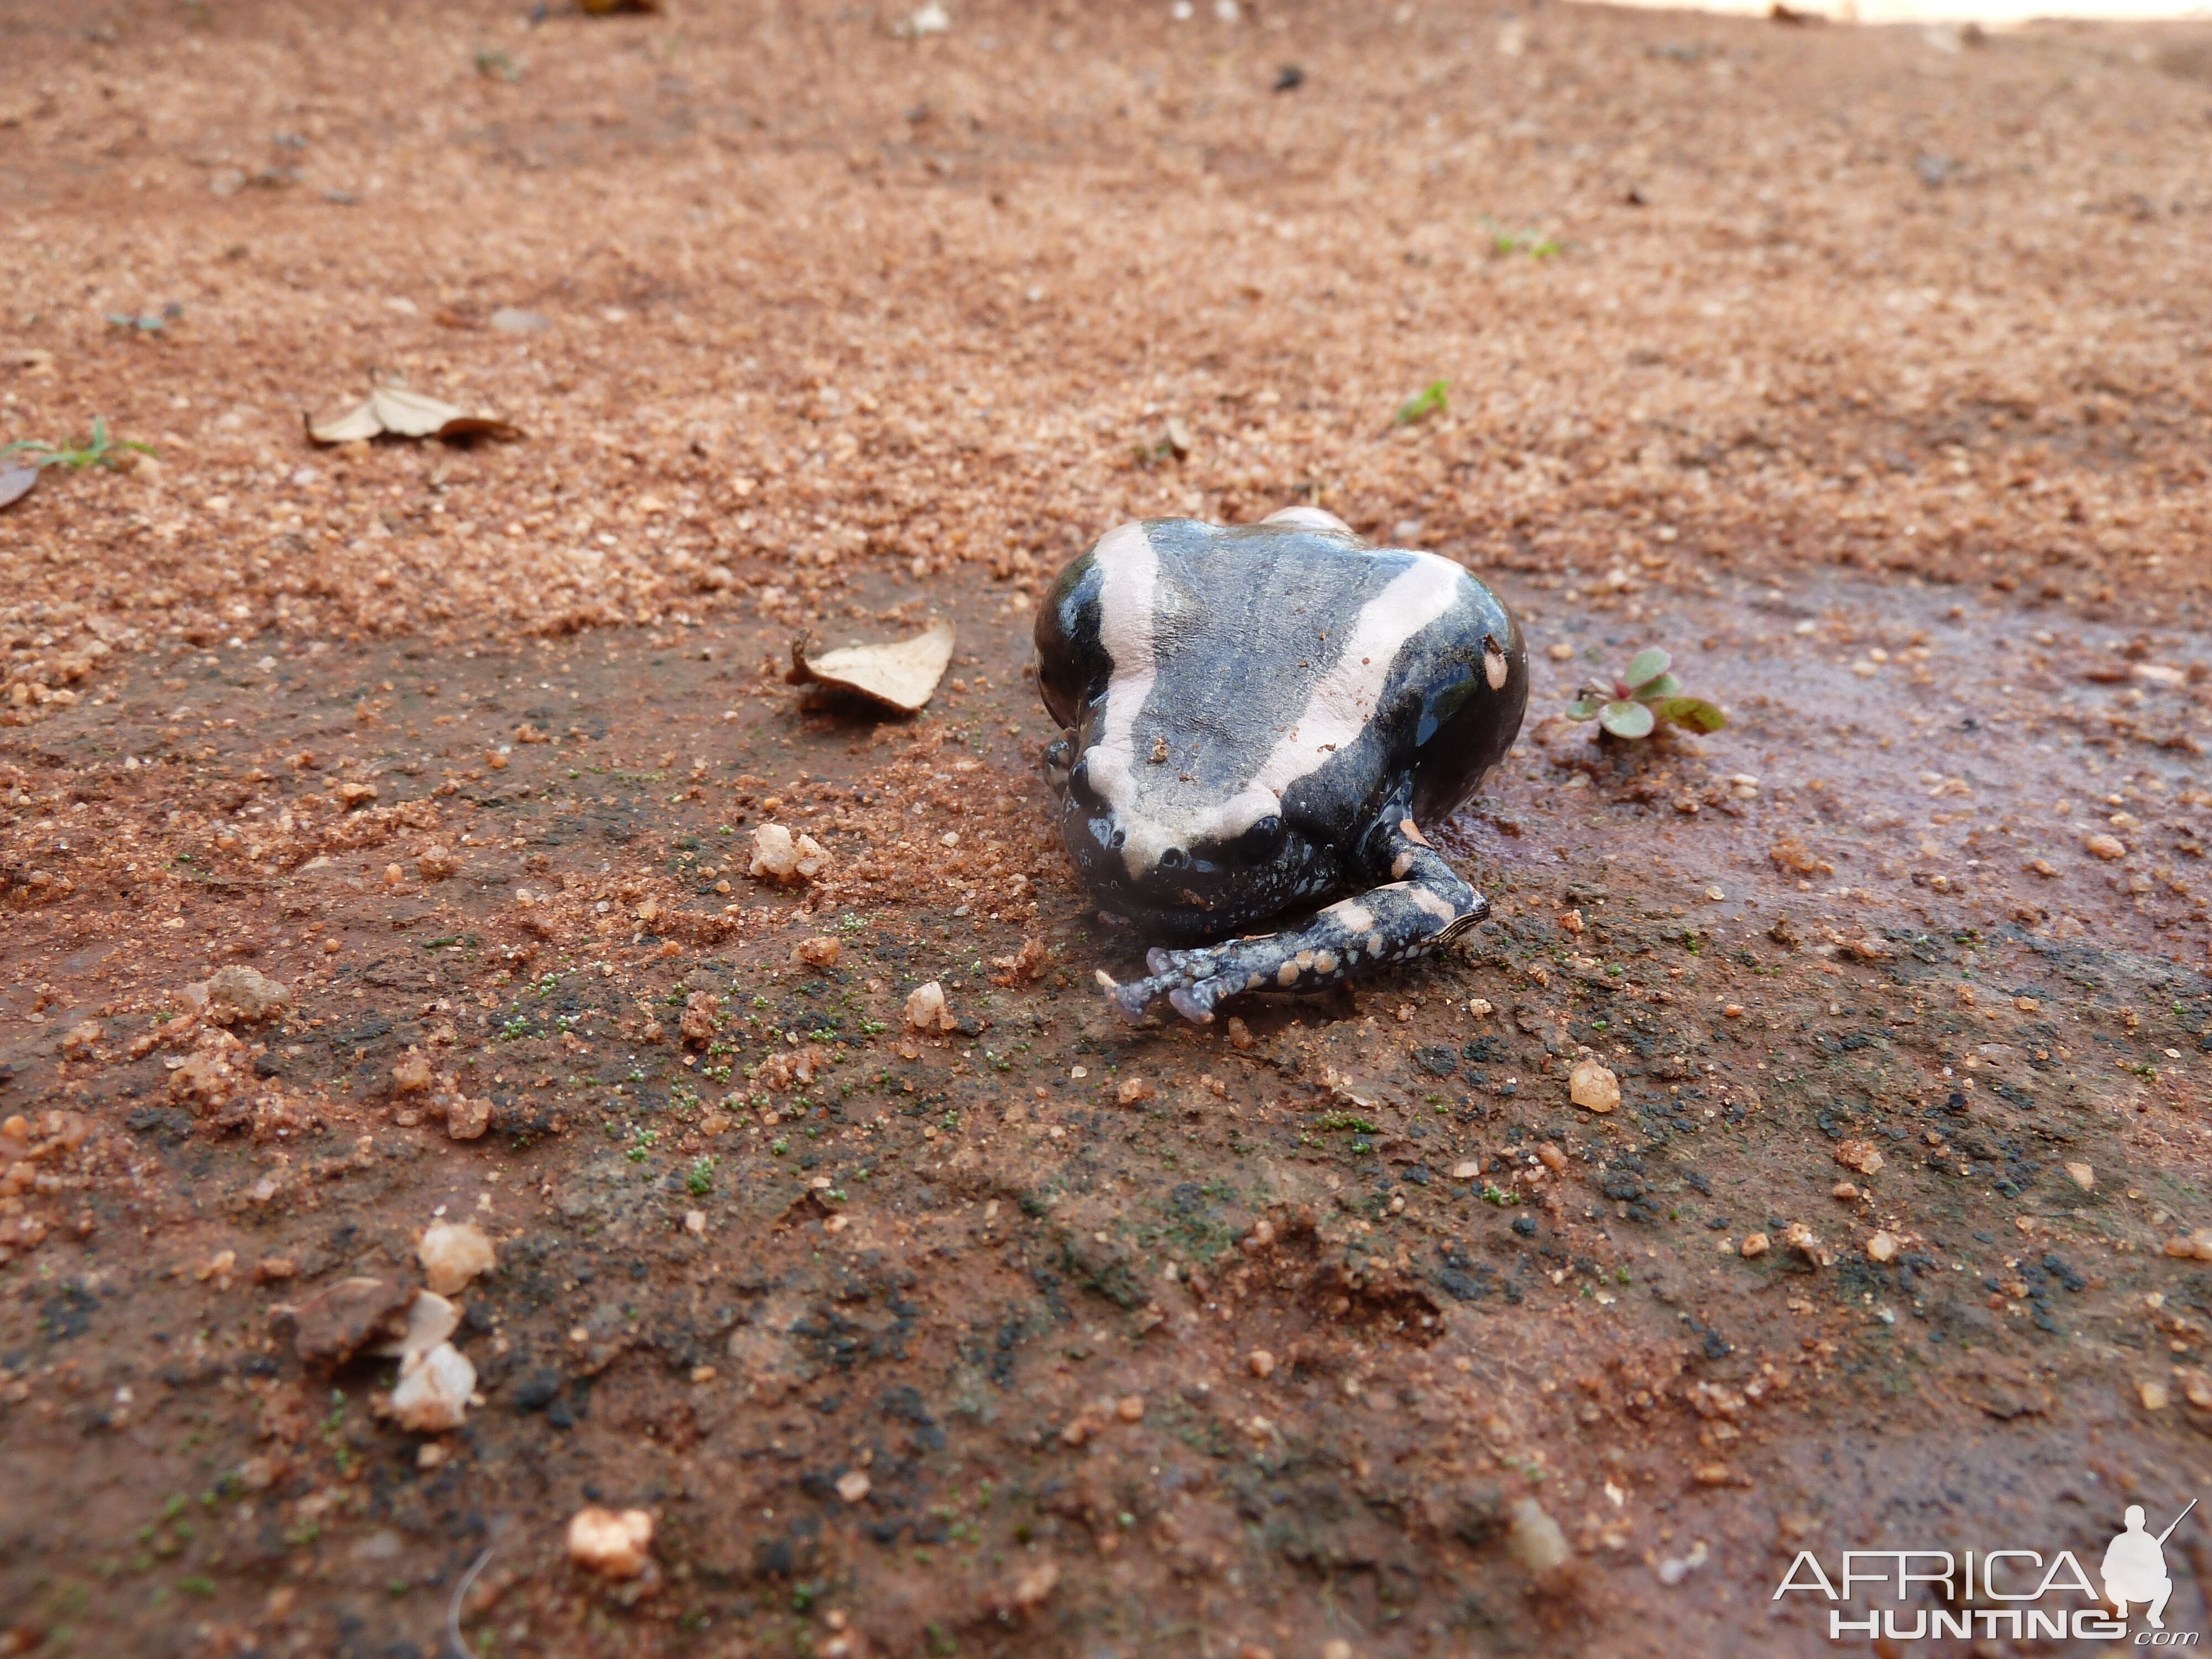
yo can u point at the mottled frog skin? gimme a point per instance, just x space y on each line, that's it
1255 718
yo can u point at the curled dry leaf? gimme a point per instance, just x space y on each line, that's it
903 675
15 482
406 414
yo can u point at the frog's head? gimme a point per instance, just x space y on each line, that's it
1169 849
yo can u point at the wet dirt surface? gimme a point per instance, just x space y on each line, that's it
1043 1334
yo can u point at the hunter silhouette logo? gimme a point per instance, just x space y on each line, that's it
2135 1567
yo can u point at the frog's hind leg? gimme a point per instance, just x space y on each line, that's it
1424 908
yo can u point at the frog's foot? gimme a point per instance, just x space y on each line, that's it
1390 924
1189 980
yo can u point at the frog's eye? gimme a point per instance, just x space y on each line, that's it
1059 758
1262 840
1079 782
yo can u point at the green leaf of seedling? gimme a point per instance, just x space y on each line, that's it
1646 664
1651 691
1626 720
1693 712
1583 708
1429 400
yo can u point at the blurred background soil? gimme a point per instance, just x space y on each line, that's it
1865 370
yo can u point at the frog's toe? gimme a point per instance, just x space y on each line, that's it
1129 1000
1195 1002
1189 978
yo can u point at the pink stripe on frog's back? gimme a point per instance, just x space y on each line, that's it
1129 576
1343 699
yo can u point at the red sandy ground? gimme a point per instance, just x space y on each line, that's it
1865 370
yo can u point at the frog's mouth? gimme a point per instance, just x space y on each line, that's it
1202 892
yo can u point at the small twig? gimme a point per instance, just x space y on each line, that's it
460 1595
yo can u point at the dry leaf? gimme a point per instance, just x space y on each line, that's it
901 676
406 414
15 482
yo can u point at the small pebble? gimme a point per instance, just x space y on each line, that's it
1802 1238
1594 1087
780 856
453 1253
1675 1568
926 1010
434 1390
614 1546
1534 1539
1860 1155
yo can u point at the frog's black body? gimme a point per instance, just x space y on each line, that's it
1257 717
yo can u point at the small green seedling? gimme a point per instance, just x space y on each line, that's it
1646 697
149 322
1534 244
495 64
1429 400
98 450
